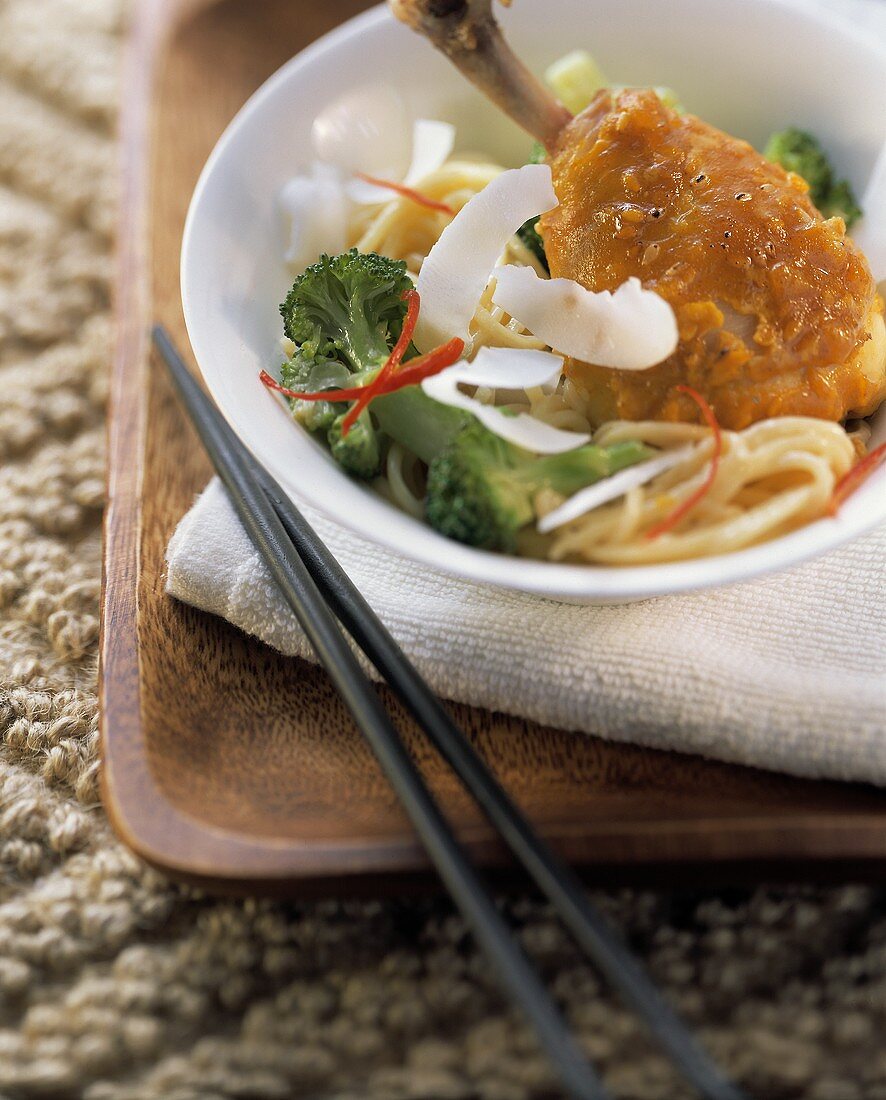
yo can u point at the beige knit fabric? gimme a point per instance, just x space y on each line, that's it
116 984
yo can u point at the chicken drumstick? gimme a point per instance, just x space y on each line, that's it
777 310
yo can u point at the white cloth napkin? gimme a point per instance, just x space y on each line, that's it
788 672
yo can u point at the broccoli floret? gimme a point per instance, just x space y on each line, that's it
798 151
359 452
348 307
344 314
310 376
481 488
841 203
528 231
530 236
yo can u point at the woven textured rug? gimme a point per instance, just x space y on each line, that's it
115 983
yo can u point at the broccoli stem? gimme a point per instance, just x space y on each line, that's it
570 471
512 488
481 489
366 347
418 422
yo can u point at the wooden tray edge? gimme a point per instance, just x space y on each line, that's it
125 769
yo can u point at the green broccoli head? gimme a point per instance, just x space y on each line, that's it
348 307
359 452
473 495
530 236
800 152
481 489
344 314
797 151
841 203
310 376
528 231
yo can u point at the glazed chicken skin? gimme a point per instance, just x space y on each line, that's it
777 311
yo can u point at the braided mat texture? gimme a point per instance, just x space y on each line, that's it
116 985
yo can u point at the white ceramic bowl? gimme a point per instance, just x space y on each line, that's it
749 66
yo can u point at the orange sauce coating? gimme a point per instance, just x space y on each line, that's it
773 303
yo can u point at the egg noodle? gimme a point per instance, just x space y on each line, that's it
773 476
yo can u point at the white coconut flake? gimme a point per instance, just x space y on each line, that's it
586 500
457 269
369 130
513 369
432 142
870 233
506 369
366 129
630 329
314 211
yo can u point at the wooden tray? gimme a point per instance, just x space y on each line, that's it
231 765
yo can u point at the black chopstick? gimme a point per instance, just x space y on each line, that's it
553 877
320 576
333 651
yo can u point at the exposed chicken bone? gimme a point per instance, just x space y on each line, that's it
467 32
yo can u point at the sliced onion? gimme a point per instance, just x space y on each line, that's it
314 209
870 233
365 130
510 369
586 500
457 269
631 329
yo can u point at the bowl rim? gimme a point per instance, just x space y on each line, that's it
546 578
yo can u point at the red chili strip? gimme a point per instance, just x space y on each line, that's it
353 413
407 193
853 478
393 361
413 305
673 518
356 392
426 366
416 371
322 395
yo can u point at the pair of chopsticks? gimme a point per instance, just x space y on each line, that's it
324 600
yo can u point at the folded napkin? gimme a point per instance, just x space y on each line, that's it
787 672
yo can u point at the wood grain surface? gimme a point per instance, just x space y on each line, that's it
233 766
